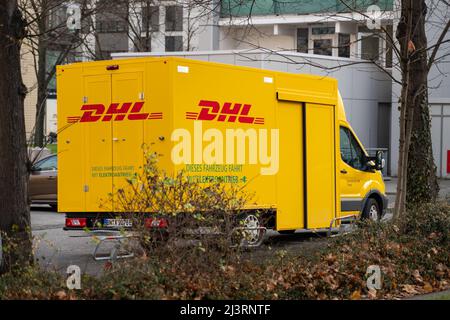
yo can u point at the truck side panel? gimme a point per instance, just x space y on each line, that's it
228 117
159 103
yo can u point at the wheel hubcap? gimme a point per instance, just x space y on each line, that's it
373 213
251 222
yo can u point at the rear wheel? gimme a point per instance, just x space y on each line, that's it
372 210
250 230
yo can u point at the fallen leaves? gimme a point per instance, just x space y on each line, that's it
417 276
410 289
356 295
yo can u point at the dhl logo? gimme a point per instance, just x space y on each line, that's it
211 110
115 112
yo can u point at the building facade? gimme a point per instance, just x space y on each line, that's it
343 39
326 27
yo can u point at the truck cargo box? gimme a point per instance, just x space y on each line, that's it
274 133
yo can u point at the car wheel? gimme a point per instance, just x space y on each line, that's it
372 210
250 230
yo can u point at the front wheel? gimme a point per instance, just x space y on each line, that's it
372 210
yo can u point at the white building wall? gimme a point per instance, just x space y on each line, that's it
362 86
254 37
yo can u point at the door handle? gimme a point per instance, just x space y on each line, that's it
51 178
344 171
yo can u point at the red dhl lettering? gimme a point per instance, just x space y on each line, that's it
115 112
229 112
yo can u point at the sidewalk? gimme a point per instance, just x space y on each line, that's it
444 295
444 185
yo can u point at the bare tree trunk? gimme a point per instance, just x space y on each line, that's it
41 93
423 185
417 181
14 210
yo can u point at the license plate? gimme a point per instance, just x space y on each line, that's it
114 223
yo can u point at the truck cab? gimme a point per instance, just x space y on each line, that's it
361 182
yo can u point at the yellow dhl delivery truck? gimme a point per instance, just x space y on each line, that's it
283 136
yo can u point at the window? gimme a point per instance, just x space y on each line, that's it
351 152
47 164
111 26
58 17
344 45
174 43
174 18
150 18
323 47
302 40
370 47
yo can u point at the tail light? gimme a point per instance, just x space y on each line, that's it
155 223
75 222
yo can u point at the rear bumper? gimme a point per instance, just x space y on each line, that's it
95 221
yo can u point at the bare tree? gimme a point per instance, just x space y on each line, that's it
14 211
48 34
414 58
417 181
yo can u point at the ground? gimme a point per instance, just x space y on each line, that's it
57 249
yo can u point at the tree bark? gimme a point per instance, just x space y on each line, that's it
423 185
14 210
41 103
417 172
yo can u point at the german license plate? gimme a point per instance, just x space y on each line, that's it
117 223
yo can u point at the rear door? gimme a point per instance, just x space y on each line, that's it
98 139
129 114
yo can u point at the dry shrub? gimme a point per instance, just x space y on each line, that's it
413 257
199 261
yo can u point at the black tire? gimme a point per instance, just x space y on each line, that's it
371 210
54 207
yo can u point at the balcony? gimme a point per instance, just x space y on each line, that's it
243 8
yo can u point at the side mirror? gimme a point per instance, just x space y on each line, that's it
377 162
380 162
